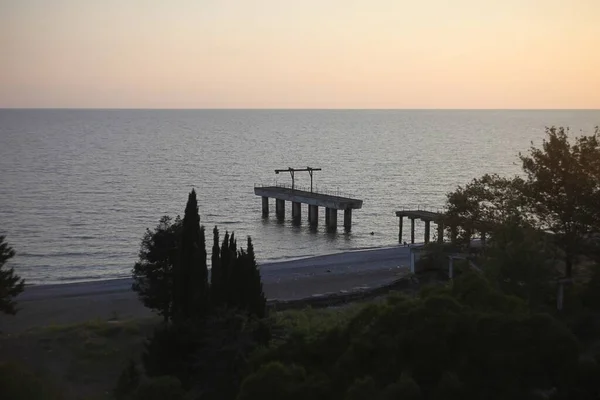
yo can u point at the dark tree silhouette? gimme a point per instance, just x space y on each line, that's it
153 273
563 189
191 273
216 288
11 284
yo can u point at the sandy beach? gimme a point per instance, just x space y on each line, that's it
44 305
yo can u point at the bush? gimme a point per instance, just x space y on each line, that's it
17 382
209 355
405 388
160 388
274 381
463 340
128 381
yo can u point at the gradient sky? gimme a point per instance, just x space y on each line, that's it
300 53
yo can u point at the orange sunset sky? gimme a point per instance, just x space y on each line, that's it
300 54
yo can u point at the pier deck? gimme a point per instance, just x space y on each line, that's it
331 202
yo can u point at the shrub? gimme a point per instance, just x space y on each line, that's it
160 388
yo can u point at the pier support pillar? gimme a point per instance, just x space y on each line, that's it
348 219
412 231
440 235
265 206
427 231
296 211
453 233
313 214
331 217
280 208
400 229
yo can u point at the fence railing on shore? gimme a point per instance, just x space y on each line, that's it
316 189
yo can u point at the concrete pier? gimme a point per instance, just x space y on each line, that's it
425 216
442 221
280 208
332 220
400 229
296 211
265 206
348 219
332 203
313 214
440 233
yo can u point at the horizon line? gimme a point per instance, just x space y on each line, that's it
290 109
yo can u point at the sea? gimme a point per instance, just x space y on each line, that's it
78 188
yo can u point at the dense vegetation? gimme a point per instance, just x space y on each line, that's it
558 195
11 285
466 340
209 329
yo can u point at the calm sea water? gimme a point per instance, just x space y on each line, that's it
79 187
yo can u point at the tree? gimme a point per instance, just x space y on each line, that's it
244 284
563 189
255 296
559 194
485 204
521 262
11 284
153 273
191 277
216 272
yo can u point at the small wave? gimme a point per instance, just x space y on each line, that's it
76 279
71 254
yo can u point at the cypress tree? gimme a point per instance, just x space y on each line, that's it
256 300
225 259
192 274
216 272
244 284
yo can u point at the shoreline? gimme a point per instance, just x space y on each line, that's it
113 299
264 264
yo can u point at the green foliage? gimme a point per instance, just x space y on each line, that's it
276 381
128 381
464 340
563 187
405 388
209 354
17 382
521 262
160 388
11 285
153 273
362 388
170 351
191 273
244 286
485 203
448 388
559 194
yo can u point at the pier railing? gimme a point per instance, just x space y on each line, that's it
442 210
335 193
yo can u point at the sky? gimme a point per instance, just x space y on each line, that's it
399 54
